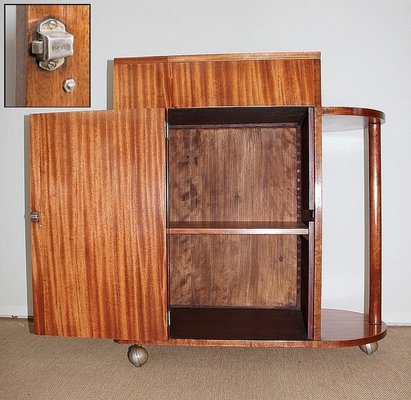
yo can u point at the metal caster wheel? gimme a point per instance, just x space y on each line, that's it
137 355
369 348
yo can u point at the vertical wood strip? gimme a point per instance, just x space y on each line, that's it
374 132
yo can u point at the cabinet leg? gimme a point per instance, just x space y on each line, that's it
137 355
369 348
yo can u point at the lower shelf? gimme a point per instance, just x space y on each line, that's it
339 328
236 324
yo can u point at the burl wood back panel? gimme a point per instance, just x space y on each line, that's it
39 88
99 251
242 173
233 270
233 174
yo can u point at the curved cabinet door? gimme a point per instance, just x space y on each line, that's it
99 246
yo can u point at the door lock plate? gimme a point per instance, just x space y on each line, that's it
52 44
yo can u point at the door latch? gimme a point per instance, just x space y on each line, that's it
52 44
34 216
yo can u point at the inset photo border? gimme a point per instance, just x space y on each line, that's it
47 55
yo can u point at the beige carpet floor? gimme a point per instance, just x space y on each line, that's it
33 367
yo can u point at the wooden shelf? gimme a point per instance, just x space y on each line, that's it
339 328
236 323
237 228
349 118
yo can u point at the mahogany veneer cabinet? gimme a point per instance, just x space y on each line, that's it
191 213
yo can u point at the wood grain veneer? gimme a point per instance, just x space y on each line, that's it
269 79
142 85
233 174
99 251
39 88
218 80
243 83
233 270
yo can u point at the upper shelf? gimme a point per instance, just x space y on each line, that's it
238 228
349 118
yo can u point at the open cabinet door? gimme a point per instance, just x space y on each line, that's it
99 246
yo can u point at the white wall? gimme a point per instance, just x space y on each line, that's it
366 61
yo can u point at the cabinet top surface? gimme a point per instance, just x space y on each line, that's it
350 118
221 57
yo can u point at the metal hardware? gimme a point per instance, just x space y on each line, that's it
52 44
69 85
34 216
137 355
166 129
168 318
369 348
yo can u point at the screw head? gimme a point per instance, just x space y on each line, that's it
53 24
69 85
51 65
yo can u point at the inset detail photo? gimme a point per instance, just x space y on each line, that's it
47 55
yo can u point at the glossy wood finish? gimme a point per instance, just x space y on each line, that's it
244 83
374 170
141 85
237 80
233 270
350 118
339 329
346 118
218 80
99 250
237 228
39 88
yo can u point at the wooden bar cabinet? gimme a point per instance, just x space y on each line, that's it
191 213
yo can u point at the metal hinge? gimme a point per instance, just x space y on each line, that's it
168 318
166 129
52 44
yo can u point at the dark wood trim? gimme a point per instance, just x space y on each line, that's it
236 324
235 115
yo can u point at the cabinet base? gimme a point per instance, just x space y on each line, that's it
339 328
